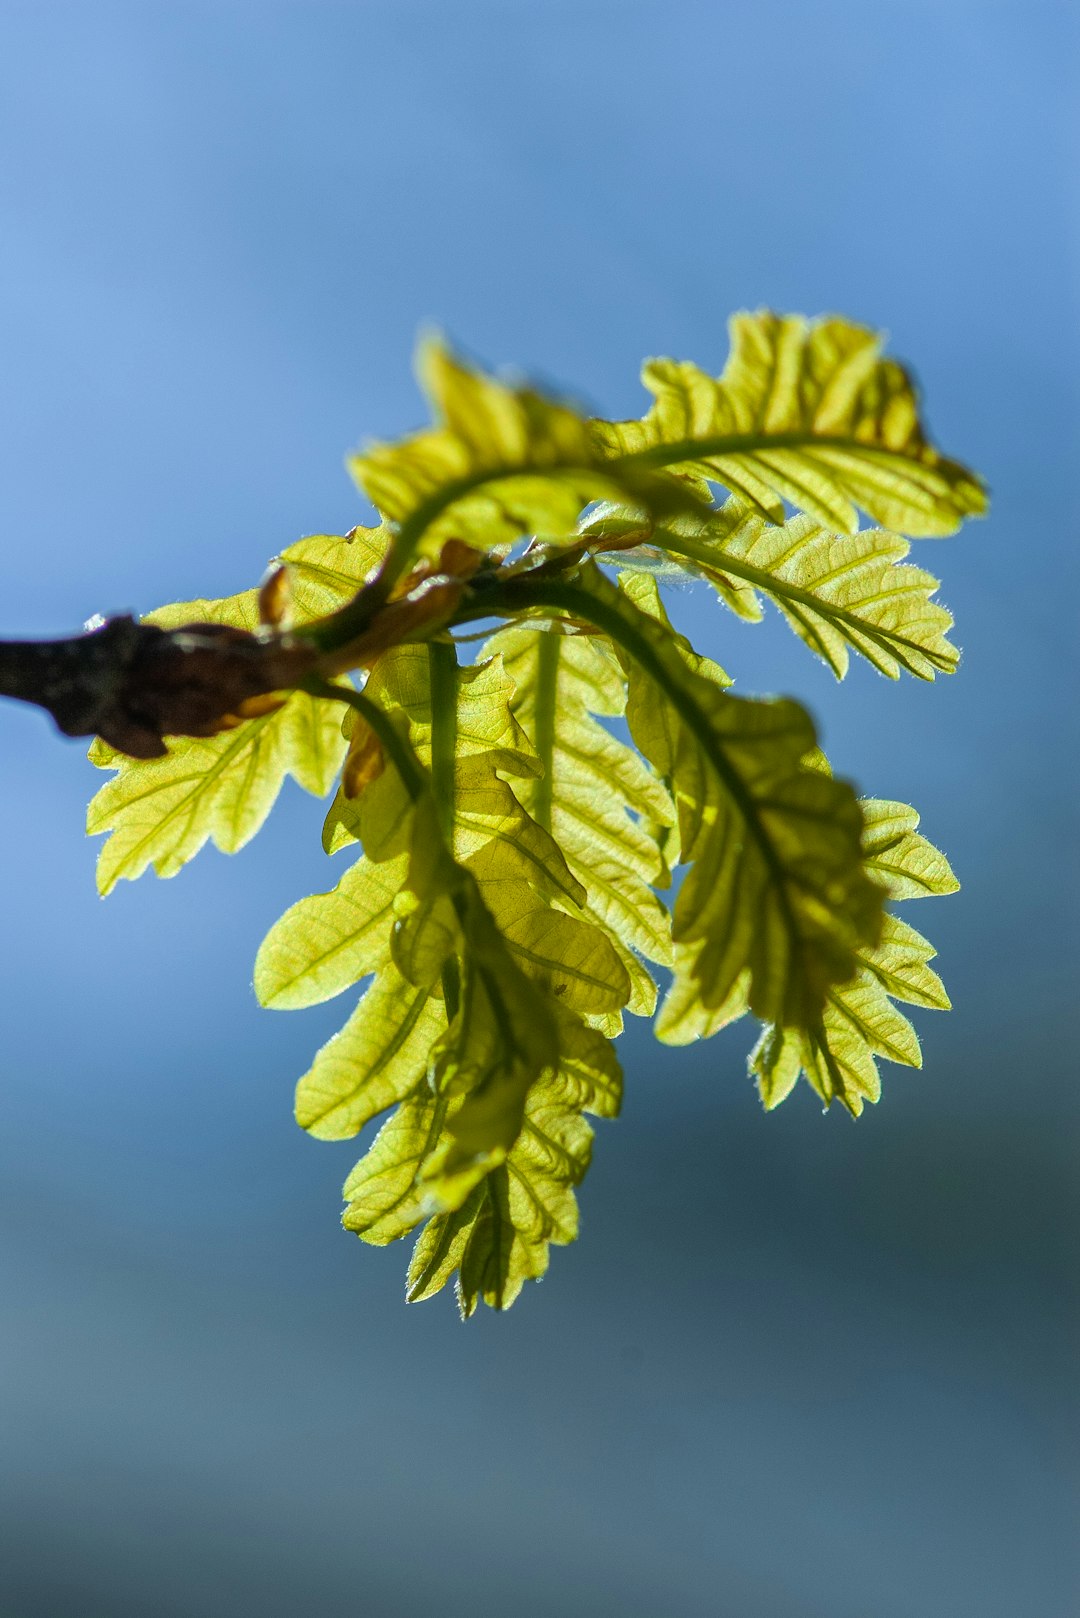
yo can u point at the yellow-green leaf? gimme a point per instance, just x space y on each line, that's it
326 570
379 1056
517 863
159 812
776 900
485 726
807 412
499 462
385 1195
499 1043
593 789
327 942
836 591
500 1236
906 864
859 1021
518 1207
576 959
899 962
490 1066
491 831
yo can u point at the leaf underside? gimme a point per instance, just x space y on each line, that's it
509 888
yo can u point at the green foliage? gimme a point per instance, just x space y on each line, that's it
837 591
807 412
500 461
596 796
509 854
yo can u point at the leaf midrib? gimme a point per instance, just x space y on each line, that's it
247 737
717 445
886 640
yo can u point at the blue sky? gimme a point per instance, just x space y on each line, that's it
838 1390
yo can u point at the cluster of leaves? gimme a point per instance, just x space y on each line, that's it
504 904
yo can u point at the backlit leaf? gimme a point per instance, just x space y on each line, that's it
776 901
860 1022
500 461
487 1139
503 843
807 412
376 1060
499 1237
836 591
592 789
328 942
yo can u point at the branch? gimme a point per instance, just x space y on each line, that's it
133 684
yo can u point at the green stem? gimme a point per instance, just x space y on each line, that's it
443 676
547 682
397 749
713 447
415 780
351 620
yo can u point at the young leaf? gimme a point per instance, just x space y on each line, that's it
491 830
529 1202
531 455
500 908
806 412
859 1022
522 875
592 790
326 943
160 812
903 861
777 900
374 1062
499 1234
500 462
491 1141
836 591
483 1063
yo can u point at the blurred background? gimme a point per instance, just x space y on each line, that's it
796 1367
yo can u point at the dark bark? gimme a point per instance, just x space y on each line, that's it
133 684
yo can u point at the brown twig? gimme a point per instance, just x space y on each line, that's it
133 684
